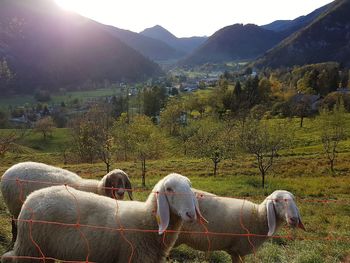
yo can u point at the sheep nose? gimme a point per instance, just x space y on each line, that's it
293 221
191 215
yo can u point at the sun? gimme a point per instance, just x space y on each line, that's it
70 5
76 5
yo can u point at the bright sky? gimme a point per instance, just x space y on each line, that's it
189 17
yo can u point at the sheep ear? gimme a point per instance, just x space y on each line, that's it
128 186
108 186
200 217
300 224
271 217
163 213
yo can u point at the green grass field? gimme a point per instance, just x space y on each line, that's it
323 199
57 98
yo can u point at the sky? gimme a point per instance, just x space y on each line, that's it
186 18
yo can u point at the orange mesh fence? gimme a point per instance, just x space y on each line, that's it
206 233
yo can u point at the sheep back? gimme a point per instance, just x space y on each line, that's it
227 218
87 224
23 178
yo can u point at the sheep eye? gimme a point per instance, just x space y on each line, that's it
169 189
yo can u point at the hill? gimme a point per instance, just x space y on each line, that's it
149 47
327 38
290 26
49 48
236 42
185 44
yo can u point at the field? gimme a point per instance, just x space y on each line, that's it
57 98
323 198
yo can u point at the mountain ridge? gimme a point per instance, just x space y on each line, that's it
235 42
325 39
183 44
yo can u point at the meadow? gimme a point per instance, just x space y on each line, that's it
57 98
323 198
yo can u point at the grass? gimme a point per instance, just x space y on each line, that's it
323 199
57 98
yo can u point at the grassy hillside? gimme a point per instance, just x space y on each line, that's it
323 199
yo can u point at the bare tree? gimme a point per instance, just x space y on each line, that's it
8 140
44 126
264 140
333 131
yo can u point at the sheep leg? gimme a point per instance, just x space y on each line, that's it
14 230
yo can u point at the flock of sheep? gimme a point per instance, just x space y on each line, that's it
59 215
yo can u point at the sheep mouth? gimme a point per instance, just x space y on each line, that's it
118 196
296 224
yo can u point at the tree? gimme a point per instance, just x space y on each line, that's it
264 141
3 119
211 141
6 76
83 141
153 100
101 131
44 126
302 107
186 132
121 134
92 135
8 139
146 141
170 117
333 131
6 142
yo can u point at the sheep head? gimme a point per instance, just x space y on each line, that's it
116 183
280 205
174 194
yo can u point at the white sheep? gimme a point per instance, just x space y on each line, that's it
229 217
101 229
23 178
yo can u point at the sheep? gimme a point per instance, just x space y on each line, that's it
101 229
236 216
23 178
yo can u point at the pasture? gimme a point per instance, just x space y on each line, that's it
323 198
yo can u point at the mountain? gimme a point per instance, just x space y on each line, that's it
290 26
149 47
236 42
185 44
49 48
327 38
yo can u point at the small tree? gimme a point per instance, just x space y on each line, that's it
6 76
170 117
92 135
121 135
333 131
264 141
186 132
146 141
8 139
44 126
6 142
211 141
302 108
